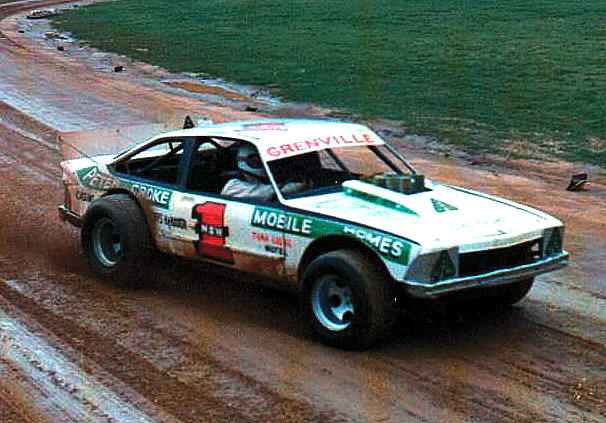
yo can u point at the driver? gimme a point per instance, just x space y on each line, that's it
253 182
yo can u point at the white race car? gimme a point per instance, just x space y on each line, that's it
335 215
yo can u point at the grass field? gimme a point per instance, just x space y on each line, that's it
518 76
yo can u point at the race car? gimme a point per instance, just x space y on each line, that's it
343 220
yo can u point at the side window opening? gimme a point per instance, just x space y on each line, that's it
159 162
211 162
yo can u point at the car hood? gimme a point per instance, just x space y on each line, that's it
439 217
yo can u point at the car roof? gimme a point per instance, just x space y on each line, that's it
283 138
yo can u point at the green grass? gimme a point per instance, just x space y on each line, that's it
479 72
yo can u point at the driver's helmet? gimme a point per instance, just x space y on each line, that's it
249 161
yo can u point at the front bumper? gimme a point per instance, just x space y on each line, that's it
487 280
69 216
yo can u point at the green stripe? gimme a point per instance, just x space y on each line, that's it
91 177
376 199
390 247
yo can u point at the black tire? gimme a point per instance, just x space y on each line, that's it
346 302
116 240
500 297
513 292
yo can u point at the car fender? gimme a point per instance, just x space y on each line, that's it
145 205
329 243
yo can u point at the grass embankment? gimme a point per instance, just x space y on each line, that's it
522 77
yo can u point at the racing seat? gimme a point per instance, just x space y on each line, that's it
210 176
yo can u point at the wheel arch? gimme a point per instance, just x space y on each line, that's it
142 203
338 242
116 238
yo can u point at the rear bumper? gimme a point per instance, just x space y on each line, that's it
69 216
487 280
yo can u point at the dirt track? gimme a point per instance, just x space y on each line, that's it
209 346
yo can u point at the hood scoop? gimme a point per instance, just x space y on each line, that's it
405 184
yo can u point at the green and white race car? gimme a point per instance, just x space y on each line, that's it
335 214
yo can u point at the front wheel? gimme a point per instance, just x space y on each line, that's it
514 292
116 240
346 301
500 297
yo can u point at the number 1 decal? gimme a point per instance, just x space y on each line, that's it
212 231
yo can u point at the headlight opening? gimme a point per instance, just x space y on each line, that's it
443 268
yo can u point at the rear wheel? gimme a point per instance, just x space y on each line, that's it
346 301
116 240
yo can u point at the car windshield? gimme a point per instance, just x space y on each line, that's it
324 171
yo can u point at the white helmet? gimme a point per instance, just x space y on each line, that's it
249 161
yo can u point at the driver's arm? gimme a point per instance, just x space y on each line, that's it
241 189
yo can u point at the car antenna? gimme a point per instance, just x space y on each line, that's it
62 141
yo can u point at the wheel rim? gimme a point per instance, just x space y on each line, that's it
331 301
107 242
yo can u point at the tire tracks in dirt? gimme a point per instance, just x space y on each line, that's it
218 394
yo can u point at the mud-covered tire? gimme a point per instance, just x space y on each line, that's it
116 240
499 297
346 301
513 292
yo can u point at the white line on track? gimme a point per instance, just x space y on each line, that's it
65 385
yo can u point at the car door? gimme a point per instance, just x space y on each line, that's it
154 174
219 228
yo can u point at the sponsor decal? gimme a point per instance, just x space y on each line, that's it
171 221
390 247
320 143
271 239
91 177
212 231
286 222
441 206
159 196
385 244
274 244
264 126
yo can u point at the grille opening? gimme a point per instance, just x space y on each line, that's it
480 262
